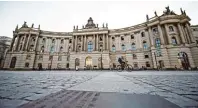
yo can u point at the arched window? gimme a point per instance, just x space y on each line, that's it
122 38
171 29
113 38
113 48
145 46
61 49
132 37
155 30
53 41
43 41
123 47
174 41
90 46
42 49
70 40
26 65
157 42
142 34
52 49
62 41
133 46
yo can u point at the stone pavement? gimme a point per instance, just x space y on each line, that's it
17 88
89 99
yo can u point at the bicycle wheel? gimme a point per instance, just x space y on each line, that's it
129 67
119 68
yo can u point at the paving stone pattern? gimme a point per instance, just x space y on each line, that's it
17 88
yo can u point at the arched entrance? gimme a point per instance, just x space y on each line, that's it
77 62
13 62
88 62
183 59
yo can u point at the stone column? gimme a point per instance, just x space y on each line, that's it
76 43
187 35
97 43
161 34
24 43
151 36
46 45
192 38
167 32
103 42
13 40
181 33
17 43
94 42
35 44
85 43
73 42
28 42
107 41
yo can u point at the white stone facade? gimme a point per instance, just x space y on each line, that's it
165 41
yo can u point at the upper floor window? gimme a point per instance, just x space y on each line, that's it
123 47
132 37
43 41
122 38
113 48
90 46
174 41
146 56
134 56
50 57
52 49
28 57
61 49
113 38
155 30
171 29
145 46
62 41
133 46
100 38
42 49
70 40
40 57
79 39
157 42
59 58
143 34
53 40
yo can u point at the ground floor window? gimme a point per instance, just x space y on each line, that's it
26 65
67 65
148 64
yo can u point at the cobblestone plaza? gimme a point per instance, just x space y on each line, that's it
178 87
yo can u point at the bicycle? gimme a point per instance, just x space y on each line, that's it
126 67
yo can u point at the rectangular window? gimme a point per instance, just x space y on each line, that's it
50 57
146 56
59 58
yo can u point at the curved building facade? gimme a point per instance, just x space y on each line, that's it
163 41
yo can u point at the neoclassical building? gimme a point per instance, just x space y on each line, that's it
164 41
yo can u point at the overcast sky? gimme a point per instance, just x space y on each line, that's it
62 16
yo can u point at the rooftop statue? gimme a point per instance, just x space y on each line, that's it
90 23
33 25
24 25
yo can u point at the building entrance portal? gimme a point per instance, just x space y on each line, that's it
13 62
183 59
88 62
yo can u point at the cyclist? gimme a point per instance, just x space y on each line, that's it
121 61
